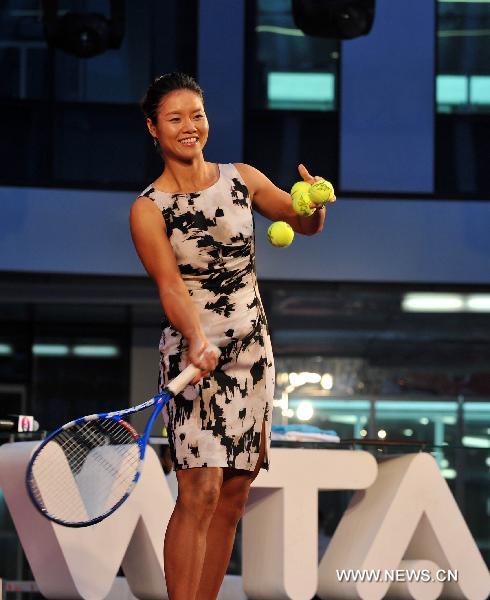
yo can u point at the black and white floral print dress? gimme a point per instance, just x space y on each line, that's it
218 422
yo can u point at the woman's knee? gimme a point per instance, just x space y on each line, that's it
233 499
199 493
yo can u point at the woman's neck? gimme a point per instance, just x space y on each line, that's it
180 177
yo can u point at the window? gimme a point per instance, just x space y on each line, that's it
463 97
291 103
72 122
463 46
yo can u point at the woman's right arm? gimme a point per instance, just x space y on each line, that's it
156 253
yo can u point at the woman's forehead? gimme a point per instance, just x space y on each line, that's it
180 101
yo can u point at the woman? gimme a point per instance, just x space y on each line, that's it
193 230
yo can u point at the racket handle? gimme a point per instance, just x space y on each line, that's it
183 379
179 383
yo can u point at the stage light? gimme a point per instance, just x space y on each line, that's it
337 19
83 34
304 412
327 381
282 378
449 473
308 377
299 379
473 441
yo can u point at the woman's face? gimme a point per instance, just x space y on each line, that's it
182 127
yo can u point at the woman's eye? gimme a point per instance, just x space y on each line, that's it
174 120
199 116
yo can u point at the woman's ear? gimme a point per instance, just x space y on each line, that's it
151 128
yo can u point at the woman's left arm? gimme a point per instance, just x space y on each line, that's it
276 205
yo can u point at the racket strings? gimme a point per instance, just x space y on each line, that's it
85 470
77 445
89 501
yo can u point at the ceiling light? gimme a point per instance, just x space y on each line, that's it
478 302
94 351
432 302
5 349
50 349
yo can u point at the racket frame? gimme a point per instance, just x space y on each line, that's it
170 391
158 401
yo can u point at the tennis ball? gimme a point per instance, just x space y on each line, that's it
321 192
301 200
300 187
280 234
301 205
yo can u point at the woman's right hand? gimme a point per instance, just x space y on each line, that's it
203 355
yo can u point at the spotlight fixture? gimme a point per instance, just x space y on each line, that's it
338 19
83 34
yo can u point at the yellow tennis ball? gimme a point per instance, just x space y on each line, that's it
301 200
321 192
280 234
300 187
301 205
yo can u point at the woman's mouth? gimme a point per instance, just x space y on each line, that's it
190 141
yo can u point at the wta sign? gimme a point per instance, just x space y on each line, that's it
401 519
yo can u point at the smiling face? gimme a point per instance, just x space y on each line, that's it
182 127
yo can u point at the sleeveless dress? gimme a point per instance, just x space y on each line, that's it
218 422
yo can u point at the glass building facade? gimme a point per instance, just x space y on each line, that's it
374 361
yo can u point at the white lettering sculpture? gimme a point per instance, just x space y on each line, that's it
402 516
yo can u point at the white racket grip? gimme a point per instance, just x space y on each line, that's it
178 383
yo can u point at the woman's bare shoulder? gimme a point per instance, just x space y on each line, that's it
144 208
251 176
143 203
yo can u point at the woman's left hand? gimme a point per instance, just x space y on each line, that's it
303 171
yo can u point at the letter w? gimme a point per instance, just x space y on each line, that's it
83 563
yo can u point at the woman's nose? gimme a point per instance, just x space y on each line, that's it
189 125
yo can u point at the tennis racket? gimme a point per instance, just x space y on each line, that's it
82 472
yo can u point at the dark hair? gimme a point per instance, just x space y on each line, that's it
162 86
